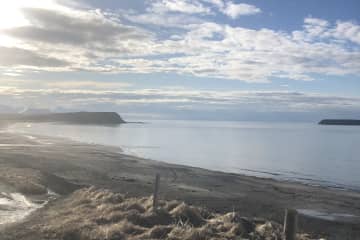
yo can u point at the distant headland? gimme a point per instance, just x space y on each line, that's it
349 122
101 118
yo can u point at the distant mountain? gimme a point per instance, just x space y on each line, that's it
101 118
351 122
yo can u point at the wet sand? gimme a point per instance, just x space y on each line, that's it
63 166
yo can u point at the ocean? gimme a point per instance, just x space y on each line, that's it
303 152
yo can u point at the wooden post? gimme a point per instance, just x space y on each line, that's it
290 224
156 192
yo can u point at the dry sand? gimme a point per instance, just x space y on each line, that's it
31 164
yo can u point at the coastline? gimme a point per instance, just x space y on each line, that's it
300 164
81 164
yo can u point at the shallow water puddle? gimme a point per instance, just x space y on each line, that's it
342 217
14 207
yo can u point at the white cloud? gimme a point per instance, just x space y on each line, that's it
342 30
315 27
78 28
234 10
167 99
348 31
182 6
214 50
316 21
10 57
12 74
82 39
88 84
202 7
163 19
70 39
218 3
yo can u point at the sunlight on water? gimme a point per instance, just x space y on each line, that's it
14 207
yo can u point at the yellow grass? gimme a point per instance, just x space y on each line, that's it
92 214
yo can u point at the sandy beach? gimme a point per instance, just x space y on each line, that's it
34 165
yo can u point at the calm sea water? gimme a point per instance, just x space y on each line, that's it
324 155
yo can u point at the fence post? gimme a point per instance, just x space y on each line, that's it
290 224
156 192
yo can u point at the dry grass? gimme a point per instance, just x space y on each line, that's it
92 214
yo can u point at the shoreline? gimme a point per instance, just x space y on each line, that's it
81 164
283 176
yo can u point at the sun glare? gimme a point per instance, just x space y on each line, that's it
12 15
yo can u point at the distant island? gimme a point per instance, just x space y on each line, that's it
350 122
101 118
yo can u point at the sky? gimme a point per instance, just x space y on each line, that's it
264 60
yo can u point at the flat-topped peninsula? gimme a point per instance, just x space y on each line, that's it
100 118
349 122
